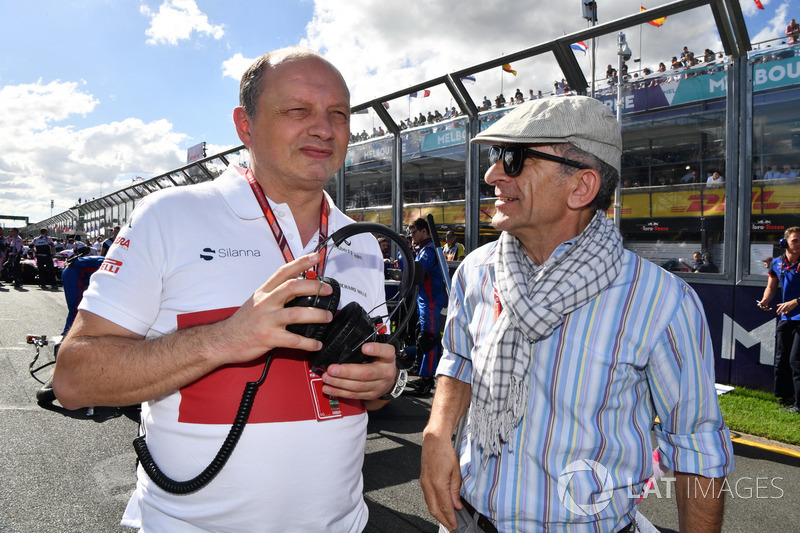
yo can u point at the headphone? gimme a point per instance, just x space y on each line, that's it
352 326
342 339
783 244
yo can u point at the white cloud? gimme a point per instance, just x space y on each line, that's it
398 44
176 20
773 33
235 66
43 160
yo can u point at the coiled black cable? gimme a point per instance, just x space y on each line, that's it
204 478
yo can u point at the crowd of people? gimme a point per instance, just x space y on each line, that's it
44 250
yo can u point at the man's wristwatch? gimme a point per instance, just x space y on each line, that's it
399 386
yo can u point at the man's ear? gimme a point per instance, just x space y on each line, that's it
242 123
586 184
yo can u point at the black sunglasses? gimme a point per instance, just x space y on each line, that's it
514 156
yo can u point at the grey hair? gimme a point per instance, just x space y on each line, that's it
609 176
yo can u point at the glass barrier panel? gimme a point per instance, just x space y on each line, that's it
775 193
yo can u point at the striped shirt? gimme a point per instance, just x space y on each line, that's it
581 454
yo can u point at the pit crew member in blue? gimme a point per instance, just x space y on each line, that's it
181 320
784 282
432 298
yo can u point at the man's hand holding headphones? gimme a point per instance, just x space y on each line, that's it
364 381
260 325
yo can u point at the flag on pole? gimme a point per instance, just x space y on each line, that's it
362 112
507 68
655 22
468 79
580 46
420 94
759 5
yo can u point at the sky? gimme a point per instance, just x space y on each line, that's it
94 93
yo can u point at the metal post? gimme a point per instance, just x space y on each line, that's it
623 54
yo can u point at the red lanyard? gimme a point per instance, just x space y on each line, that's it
787 266
498 306
272 221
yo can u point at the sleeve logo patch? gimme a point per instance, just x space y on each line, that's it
111 265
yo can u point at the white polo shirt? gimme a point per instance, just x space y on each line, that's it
192 255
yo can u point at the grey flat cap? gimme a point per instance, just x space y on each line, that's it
585 122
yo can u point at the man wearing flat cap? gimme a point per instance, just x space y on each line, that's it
563 347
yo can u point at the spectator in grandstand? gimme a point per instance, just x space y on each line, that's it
675 63
788 172
500 101
773 173
130 342
547 338
452 250
715 179
783 283
690 177
662 67
432 298
487 104
793 32
518 97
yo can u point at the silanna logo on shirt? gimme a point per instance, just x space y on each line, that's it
209 254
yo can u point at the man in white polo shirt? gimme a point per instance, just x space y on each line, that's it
192 296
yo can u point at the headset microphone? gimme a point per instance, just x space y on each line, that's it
351 327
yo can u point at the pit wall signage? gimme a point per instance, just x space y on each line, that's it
771 199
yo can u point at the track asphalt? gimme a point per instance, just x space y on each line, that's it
65 471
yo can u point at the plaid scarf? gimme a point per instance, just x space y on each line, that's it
535 300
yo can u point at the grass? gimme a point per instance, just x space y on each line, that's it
758 413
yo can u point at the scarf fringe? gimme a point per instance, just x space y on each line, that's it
491 431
